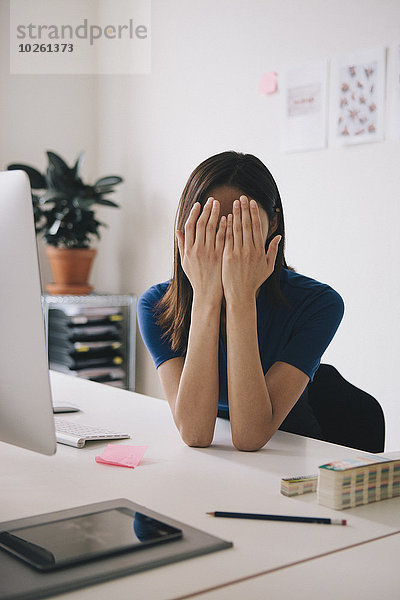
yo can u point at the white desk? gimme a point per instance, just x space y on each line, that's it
369 571
184 483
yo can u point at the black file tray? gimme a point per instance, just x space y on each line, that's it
18 581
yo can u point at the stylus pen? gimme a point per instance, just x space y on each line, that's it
260 517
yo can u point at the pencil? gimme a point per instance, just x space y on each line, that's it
260 517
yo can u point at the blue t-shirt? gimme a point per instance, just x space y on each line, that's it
297 333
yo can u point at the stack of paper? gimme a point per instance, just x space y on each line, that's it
294 486
354 481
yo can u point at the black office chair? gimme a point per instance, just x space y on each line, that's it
346 414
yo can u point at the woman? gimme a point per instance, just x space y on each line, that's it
236 333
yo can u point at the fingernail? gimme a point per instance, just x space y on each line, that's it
236 204
243 199
210 200
253 204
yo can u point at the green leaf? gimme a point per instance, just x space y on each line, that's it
107 202
37 180
106 189
78 164
52 196
110 180
55 227
82 203
57 162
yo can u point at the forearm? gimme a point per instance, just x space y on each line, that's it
250 406
196 403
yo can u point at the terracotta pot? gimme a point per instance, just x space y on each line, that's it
71 269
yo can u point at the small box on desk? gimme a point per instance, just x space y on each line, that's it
355 481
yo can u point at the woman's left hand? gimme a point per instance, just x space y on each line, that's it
245 265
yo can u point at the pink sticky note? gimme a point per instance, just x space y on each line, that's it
268 83
121 456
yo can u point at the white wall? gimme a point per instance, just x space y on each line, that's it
341 205
44 112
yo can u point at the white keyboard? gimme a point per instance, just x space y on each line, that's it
77 434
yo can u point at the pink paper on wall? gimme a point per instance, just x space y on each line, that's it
122 456
268 83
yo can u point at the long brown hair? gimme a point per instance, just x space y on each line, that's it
251 176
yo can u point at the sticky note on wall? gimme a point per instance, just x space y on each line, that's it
268 83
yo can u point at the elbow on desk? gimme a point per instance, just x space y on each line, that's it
249 445
251 437
194 440
197 442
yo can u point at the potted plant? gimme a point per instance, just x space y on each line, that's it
65 217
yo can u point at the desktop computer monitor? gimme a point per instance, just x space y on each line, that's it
26 414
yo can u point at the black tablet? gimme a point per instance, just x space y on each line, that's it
94 535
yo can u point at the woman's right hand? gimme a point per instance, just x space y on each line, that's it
201 248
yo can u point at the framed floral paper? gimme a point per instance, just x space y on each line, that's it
358 97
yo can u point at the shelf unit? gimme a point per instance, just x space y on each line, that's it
77 345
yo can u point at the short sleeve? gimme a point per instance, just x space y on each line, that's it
313 332
152 334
